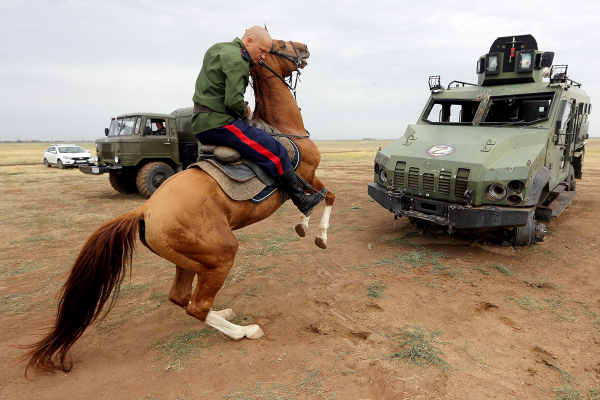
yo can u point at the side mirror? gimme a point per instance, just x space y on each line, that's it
88 151
105 131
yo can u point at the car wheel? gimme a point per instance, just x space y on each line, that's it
151 176
61 165
46 163
123 183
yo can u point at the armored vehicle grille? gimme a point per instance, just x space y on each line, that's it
428 182
413 178
444 184
106 147
399 174
462 180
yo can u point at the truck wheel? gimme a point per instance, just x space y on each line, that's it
61 165
151 176
123 183
46 163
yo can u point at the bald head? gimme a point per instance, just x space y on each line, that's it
258 42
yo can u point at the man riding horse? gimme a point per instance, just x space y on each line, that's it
219 108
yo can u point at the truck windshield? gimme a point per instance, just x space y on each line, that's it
521 109
457 111
121 126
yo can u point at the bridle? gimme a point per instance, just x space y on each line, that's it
294 60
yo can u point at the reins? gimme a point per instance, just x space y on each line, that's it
295 61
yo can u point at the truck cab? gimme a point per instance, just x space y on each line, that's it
142 150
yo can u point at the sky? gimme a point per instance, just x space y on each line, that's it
67 67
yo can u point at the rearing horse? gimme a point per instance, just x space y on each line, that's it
189 221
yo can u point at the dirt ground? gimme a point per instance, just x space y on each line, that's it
383 313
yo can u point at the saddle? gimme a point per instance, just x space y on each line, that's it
240 178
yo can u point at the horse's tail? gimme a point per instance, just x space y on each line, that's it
97 272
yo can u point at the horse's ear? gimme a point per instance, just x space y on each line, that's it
266 28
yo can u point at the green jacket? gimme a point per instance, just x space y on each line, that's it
221 85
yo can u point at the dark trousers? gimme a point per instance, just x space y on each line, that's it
252 143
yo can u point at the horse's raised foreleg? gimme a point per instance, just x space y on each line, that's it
302 227
321 239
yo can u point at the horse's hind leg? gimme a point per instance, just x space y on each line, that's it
181 290
209 283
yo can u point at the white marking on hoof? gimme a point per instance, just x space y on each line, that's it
254 332
227 313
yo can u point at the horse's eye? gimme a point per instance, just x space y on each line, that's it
283 47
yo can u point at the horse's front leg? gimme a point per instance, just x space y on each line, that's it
301 228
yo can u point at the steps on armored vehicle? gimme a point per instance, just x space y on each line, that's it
559 204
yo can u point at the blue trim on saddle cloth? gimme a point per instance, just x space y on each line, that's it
271 189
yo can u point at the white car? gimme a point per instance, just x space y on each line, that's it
67 155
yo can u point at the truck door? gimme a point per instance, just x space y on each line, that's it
156 139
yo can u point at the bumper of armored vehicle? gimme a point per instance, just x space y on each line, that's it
100 169
455 216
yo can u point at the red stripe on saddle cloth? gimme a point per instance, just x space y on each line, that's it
256 146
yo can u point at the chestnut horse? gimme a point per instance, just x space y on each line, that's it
189 221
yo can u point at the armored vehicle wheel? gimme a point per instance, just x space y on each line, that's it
571 183
123 183
60 165
151 176
529 234
46 163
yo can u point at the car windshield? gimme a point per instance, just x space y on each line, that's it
121 126
71 149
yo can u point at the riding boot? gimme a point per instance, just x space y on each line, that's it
304 202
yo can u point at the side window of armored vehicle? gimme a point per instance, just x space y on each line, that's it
148 127
138 125
452 111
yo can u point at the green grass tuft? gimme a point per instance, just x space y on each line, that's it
420 346
182 346
376 290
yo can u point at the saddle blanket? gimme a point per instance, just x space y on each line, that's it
246 180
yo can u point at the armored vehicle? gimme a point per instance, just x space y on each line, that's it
500 155
141 150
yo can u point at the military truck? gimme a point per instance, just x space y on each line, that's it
501 155
139 156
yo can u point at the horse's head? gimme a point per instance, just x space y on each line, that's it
286 57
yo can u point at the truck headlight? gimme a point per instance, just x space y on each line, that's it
96 158
117 159
383 175
496 192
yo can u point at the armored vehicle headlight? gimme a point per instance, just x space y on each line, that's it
117 159
97 159
383 175
516 186
496 191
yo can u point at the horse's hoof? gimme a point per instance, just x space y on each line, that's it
254 332
320 242
300 230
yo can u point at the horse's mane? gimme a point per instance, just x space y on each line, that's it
264 99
